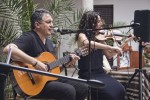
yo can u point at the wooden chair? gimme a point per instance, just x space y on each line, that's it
134 61
126 50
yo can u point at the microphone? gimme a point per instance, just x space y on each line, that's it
56 29
135 25
64 31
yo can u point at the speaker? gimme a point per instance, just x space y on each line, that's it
142 17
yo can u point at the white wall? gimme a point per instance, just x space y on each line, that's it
84 4
124 9
124 12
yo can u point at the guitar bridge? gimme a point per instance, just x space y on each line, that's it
30 76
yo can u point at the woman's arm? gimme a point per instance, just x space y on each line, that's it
109 51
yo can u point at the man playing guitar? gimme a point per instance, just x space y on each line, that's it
28 47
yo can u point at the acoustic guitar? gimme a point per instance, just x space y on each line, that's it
32 84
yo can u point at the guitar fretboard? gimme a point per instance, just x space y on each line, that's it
59 62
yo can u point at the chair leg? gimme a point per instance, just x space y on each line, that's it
25 98
76 69
2 86
14 94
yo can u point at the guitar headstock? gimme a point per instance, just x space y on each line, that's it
82 51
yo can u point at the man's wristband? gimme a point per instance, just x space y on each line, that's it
35 63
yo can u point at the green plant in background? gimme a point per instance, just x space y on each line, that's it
64 15
60 10
15 17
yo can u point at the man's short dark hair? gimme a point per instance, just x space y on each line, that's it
37 16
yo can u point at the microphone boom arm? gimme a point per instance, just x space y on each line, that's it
66 31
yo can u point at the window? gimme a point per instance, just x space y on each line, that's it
106 12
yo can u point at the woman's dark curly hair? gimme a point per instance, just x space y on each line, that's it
88 21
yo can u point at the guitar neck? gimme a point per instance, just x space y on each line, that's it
59 62
66 58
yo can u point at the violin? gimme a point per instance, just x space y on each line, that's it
110 34
108 37
113 36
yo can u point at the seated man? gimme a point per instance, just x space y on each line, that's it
31 45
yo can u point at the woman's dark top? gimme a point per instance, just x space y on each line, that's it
113 90
96 64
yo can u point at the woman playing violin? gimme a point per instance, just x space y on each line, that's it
113 90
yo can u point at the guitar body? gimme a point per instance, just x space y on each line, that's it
24 81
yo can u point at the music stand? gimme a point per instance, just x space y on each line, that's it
3 73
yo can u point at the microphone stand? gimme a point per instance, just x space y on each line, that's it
67 31
139 72
4 73
88 33
89 49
